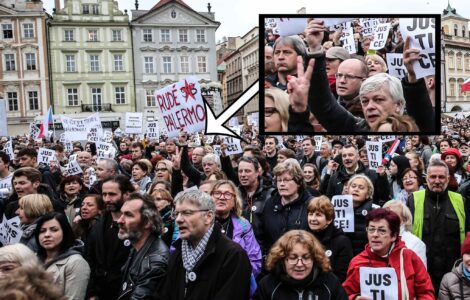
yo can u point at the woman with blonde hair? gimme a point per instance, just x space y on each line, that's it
375 64
299 269
14 256
31 207
276 110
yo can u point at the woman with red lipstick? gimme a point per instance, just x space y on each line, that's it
386 250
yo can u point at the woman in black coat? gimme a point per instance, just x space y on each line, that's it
338 248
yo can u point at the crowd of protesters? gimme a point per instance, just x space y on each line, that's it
313 84
176 219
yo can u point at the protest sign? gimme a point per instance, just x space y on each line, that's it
210 139
233 122
318 140
107 137
152 131
233 146
105 150
10 231
45 155
74 129
386 138
291 26
8 148
368 26
5 183
217 150
181 105
344 212
395 65
92 175
197 140
134 122
270 23
94 121
374 154
92 135
118 132
380 36
33 131
3 117
378 283
254 119
423 37
347 39
73 168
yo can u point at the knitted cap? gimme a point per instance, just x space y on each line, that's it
466 245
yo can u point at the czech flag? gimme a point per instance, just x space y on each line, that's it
44 128
465 86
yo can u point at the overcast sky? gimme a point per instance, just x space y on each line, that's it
238 17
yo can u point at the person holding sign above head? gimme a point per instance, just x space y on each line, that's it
299 269
400 271
338 248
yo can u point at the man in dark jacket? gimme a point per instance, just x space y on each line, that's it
308 147
145 269
440 219
205 264
106 253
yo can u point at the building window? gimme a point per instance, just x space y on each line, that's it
7 31
12 98
467 63
165 35
94 63
201 64
173 14
72 96
93 35
96 98
95 9
86 9
456 28
118 62
30 61
452 89
450 61
68 35
148 65
464 34
10 64
166 64
117 35
120 95
200 36
148 35
184 64
459 62
33 100
150 95
183 35
28 31
70 63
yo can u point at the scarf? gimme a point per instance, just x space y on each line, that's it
192 255
466 273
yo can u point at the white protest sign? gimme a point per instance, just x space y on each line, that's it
217 150
45 155
233 122
152 131
10 231
378 283
318 140
387 138
380 36
233 146
270 23
92 175
368 26
210 139
94 122
92 135
73 168
118 132
5 183
134 122
254 119
104 150
423 37
68 147
395 65
33 131
347 39
74 129
8 148
197 140
344 212
291 26
107 137
181 105
374 154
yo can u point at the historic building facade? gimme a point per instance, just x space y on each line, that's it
249 52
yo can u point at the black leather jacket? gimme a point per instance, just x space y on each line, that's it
145 270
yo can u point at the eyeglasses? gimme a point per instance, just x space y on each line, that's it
268 111
161 170
285 180
227 195
294 260
380 231
409 178
347 76
185 213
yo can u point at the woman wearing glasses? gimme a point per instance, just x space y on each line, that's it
412 181
276 110
299 269
386 250
228 211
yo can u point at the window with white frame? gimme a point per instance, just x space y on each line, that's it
120 95
148 65
12 98
150 95
69 35
184 64
86 9
183 35
28 31
10 64
467 63
147 35
94 63
7 31
93 35
201 64
30 61
118 62
70 65
96 97
117 35
165 35
452 89
72 97
95 9
166 64
200 35
33 100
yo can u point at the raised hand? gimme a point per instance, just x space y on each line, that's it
298 87
176 159
314 33
409 57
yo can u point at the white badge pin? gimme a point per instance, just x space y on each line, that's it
328 253
127 243
364 212
192 276
124 286
253 208
165 230
77 210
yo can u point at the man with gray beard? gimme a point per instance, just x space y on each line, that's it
105 252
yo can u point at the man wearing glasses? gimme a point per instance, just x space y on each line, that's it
205 264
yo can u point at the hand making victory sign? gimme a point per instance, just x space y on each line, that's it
298 87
